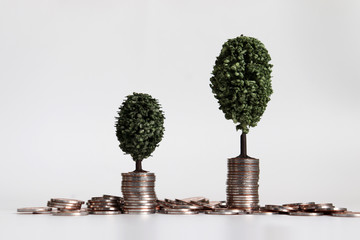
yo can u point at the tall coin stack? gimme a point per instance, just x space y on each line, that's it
242 183
139 192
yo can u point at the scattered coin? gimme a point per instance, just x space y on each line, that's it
70 213
346 214
105 212
34 210
306 213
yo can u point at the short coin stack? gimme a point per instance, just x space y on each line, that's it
105 205
67 207
242 183
138 190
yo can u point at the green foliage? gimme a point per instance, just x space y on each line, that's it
140 125
241 81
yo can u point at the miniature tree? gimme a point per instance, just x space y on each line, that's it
139 127
241 82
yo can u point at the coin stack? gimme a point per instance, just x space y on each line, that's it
105 205
67 207
242 183
138 190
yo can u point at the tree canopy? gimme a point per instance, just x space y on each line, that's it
140 125
241 81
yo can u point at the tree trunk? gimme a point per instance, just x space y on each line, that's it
243 153
139 166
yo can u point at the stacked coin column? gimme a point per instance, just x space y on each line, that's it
242 183
139 192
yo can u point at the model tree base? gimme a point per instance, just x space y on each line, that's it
138 190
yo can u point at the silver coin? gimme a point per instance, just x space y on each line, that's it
141 187
139 202
134 205
138 173
142 208
243 205
34 209
338 210
346 214
132 211
102 205
244 160
305 214
240 171
64 206
138 184
244 197
242 192
247 188
70 210
67 201
137 190
242 178
222 212
244 174
104 212
292 204
241 182
242 187
188 207
104 201
139 213
69 213
104 208
139 180
196 199
127 176
263 213
140 199
112 197
182 213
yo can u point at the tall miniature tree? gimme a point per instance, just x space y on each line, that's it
241 82
139 127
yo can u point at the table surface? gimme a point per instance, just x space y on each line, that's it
160 226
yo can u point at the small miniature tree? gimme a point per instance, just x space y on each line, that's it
139 127
241 82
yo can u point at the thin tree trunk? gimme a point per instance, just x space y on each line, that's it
139 166
243 153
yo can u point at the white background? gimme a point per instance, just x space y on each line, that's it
66 67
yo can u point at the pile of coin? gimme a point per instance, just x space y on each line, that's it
111 205
67 207
138 190
105 205
303 209
242 183
188 206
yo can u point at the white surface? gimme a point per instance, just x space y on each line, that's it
66 67
21 226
